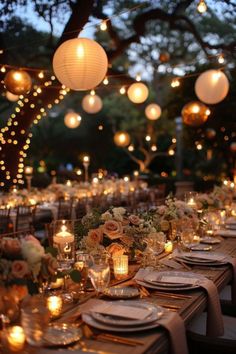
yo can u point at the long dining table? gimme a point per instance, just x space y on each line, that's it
188 304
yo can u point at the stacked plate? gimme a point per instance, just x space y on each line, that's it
201 258
210 240
171 280
116 323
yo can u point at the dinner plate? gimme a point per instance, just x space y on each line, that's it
193 262
201 248
155 313
60 334
165 288
88 318
210 240
121 292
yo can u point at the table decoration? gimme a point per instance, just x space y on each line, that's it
168 247
13 339
54 304
120 266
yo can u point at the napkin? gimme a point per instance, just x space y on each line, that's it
215 325
172 322
232 261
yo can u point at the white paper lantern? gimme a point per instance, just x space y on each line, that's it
80 64
138 92
72 120
92 104
153 111
212 86
122 138
11 97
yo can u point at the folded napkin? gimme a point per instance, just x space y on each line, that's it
232 261
215 325
172 322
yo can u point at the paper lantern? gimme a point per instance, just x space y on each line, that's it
72 120
153 111
80 64
195 113
11 97
122 138
212 86
92 104
233 146
138 92
18 82
210 133
164 57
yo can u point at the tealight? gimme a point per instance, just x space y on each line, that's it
168 247
54 304
15 338
121 268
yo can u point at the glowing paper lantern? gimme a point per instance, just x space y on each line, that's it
212 86
195 113
233 146
92 104
164 57
122 138
210 133
138 92
153 111
18 82
80 64
72 120
11 97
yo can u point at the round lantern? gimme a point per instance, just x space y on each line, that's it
233 146
11 97
122 138
92 104
138 92
212 86
80 64
195 113
153 111
164 57
72 120
18 82
210 133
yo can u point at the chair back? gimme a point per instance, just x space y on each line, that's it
24 218
4 220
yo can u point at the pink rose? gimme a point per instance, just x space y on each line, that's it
32 239
49 265
134 219
113 229
10 246
19 269
95 236
115 249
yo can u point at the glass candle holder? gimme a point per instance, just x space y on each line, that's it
121 267
169 247
13 339
64 241
54 304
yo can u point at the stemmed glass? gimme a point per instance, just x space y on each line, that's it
99 273
83 262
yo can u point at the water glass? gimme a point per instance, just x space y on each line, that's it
82 263
99 274
34 319
189 238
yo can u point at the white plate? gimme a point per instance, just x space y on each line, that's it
60 334
121 292
201 248
210 263
92 322
210 240
155 313
157 276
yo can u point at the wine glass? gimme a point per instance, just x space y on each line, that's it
82 264
99 273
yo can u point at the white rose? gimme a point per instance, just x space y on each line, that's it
106 216
118 213
33 254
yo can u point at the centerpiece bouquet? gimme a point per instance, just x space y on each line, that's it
114 231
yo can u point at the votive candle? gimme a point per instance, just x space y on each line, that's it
54 304
121 267
168 247
15 338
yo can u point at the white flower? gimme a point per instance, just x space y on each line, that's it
118 213
106 216
33 254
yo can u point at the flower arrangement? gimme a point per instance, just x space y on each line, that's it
24 259
114 231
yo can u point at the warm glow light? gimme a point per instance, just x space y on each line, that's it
199 146
11 97
171 152
122 90
79 172
15 338
18 82
54 304
103 25
153 111
147 138
106 81
138 92
175 83
202 7
138 77
86 158
154 147
92 103
72 120
28 170
120 266
131 148
126 178
221 59
195 113
122 138
80 63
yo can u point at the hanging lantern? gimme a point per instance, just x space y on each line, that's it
18 82
92 104
80 64
138 92
11 97
164 57
195 113
122 138
210 133
212 86
233 146
72 120
153 111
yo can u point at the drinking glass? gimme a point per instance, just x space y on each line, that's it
34 319
99 273
82 263
189 238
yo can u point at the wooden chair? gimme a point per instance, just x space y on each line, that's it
24 218
4 220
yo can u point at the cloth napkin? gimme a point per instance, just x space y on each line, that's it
215 326
171 321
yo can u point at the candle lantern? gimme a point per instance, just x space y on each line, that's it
121 268
64 241
153 111
190 199
92 104
138 92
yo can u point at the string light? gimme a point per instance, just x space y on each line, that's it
154 147
131 147
221 59
171 152
173 140
138 77
175 83
202 7
92 92
106 81
122 90
103 25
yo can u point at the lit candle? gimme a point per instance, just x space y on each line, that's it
168 247
63 236
54 304
86 159
68 183
121 268
56 284
15 338
191 203
28 170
